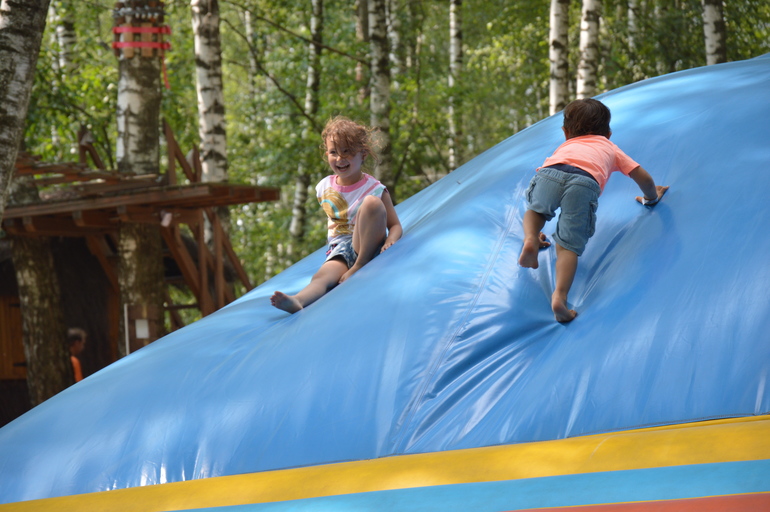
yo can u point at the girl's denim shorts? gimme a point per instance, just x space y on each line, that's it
342 249
578 198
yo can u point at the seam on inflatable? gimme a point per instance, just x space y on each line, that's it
419 400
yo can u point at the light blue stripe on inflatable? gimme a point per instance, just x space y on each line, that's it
655 484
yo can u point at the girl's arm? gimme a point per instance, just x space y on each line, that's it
394 224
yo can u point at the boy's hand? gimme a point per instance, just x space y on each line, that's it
543 241
661 190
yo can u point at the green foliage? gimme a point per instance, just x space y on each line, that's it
82 94
503 88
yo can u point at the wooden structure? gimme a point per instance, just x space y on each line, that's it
92 203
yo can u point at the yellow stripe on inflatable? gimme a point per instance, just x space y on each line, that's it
725 440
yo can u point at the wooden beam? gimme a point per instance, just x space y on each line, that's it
138 214
101 250
186 196
47 226
228 246
219 267
176 151
207 305
173 311
59 168
171 169
175 244
86 148
100 219
124 185
196 162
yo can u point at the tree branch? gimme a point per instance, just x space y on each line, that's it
293 99
298 36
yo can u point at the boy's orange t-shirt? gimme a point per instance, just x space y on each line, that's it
595 154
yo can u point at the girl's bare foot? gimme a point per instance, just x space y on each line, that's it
560 310
285 302
528 257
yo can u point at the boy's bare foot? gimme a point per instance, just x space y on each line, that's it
528 257
560 310
285 302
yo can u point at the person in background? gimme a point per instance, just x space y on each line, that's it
76 340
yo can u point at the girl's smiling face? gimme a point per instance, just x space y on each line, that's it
345 163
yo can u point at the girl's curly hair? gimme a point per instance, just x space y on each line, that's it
349 134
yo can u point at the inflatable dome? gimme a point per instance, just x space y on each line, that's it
437 379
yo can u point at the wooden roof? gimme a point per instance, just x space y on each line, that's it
90 201
82 216
78 201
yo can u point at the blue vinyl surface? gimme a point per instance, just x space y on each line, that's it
443 342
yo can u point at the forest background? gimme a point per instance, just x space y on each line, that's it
445 107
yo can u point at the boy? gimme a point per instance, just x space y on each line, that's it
572 179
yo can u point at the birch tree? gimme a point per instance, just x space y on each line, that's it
302 180
455 71
64 32
394 37
379 101
43 329
211 103
362 36
714 31
212 129
633 29
589 49
558 55
21 31
64 39
140 270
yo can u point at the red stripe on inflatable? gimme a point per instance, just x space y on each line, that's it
753 502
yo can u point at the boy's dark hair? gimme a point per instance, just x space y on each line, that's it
75 334
587 117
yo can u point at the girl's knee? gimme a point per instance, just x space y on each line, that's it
373 204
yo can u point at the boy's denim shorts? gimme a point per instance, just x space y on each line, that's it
578 198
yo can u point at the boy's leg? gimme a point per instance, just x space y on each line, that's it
369 233
566 266
533 223
327 277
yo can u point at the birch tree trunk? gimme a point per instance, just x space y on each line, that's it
64 32
633 30
212 129
21 31
558 55
64 39
394 37
211 104
455 71
362 36
44 332
140 266
302 180
715 32
666 60
248 27
589 49
379 101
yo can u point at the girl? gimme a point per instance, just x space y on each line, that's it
362 220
